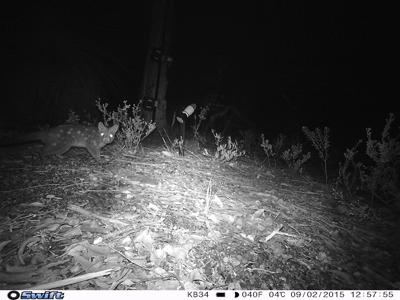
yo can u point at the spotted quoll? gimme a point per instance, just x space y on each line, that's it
60 139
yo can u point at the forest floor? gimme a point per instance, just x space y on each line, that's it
155 221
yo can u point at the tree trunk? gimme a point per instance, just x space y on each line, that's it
154 80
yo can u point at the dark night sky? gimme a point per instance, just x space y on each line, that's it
337 62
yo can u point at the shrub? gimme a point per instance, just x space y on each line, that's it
133 129
226 152
291 158
272 150
74 118
198 119
349 171
382 177
321 143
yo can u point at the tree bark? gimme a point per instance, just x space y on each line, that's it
154 79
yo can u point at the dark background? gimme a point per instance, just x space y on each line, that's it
337 62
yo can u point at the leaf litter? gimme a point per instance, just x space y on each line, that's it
162 222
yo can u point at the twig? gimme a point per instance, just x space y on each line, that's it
69 281
272 234
90 214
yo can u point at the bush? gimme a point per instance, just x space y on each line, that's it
291 156
133 129
381 179
226 152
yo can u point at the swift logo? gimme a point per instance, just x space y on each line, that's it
13 295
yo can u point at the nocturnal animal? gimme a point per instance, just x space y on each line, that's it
60 139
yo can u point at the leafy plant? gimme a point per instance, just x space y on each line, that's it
277 145
291 156
133 129
74 118
198 119
383 177
226 152
267 147
321 143
349 171
272 150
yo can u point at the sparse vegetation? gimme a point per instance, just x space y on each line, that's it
272 150
293 160
226 151
174 193
133 129
88 119
321 143
381 179
267 147
198 119
349 170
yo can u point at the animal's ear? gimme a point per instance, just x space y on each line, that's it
101 126
114 129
